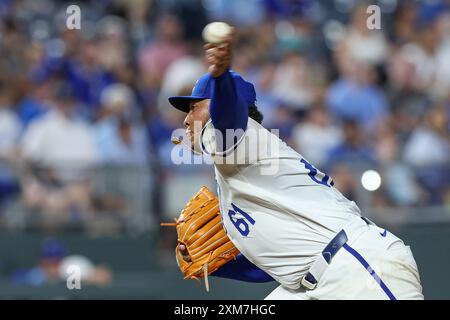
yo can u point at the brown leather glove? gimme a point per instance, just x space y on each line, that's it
200 230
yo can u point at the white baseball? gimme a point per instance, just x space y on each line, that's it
215 32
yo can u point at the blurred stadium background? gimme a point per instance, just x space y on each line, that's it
85 127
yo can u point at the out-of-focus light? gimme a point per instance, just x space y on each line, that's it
284 29
371 180
334 32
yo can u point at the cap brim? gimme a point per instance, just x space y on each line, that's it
182 102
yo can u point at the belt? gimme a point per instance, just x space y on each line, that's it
324 259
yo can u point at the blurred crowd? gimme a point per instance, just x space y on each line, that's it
346 97
55 265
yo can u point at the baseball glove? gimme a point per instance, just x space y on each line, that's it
200 230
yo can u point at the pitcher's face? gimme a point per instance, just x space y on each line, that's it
196 119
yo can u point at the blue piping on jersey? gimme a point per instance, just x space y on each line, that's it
371 271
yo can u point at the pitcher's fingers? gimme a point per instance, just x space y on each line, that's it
183 250
208 46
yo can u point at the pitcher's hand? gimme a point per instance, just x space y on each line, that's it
219 56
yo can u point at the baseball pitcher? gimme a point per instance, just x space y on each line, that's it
277 218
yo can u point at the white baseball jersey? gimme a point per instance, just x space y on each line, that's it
277 208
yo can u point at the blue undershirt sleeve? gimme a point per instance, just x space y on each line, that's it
227 109
243 270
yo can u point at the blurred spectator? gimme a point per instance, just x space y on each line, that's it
267 102
428 151
422 65
35 103
9 136
356 96
284 120
111 33
239 12
181 74
53 264
60 149
400 186
120 138
47 269
13 46
317 136
91 274
429 143
403 23
361 43
292 82
345 180
83 65
353 151
165 48
10 128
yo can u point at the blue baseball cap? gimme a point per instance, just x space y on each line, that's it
53 249
202 90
